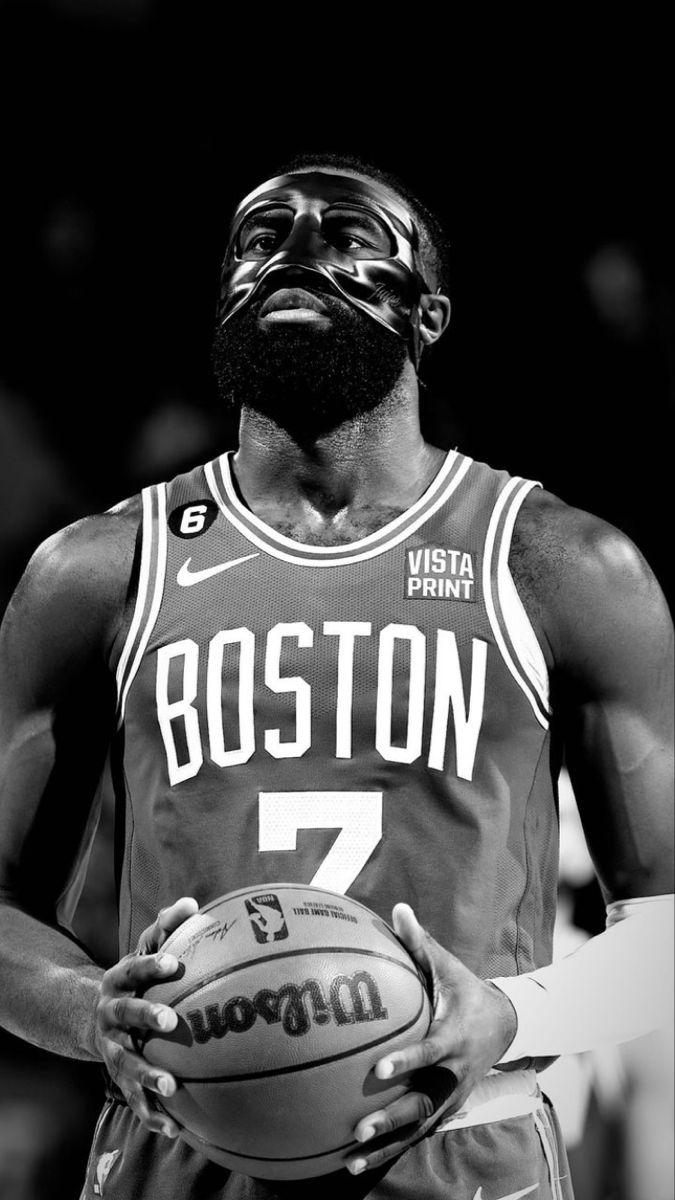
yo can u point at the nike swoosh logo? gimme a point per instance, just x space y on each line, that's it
186 577
513 1195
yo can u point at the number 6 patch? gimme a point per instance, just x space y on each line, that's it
189 520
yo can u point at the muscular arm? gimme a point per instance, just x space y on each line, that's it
56 713
605 628
608 636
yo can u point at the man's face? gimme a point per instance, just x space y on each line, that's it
319 283
351 233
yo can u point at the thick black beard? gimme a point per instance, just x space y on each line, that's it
307 380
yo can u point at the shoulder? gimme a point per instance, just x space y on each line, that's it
78 580
581 577
552 541
93 555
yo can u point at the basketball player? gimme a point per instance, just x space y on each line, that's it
345 657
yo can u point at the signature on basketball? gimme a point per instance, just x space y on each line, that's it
347 1000
215 932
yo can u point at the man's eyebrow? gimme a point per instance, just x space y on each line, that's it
355 210
365 200
354 206
273 209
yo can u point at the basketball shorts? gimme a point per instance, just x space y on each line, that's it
514 1157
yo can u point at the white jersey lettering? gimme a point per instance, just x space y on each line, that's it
214 704
385 680
450 690
170 711
189 706
347 632
292 683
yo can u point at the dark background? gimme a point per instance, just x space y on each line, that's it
130 129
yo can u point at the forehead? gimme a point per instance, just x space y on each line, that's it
326 189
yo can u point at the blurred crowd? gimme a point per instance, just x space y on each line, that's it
561 365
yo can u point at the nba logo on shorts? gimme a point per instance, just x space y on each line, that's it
267 918
103 1165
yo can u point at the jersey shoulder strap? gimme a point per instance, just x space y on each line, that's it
511 625
150 587
181 498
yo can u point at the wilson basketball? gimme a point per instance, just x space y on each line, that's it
286 997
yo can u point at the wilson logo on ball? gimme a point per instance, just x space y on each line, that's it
350 1000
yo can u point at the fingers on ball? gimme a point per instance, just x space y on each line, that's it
128 1012
408 1110
137 970
128 1069
152 1118
413 1058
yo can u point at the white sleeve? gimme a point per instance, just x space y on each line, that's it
616 987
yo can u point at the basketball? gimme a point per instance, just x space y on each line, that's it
286 997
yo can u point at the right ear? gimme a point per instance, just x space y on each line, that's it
434 311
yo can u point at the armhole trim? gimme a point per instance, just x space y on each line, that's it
510 623
150 590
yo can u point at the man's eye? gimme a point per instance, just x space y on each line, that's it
359 236
261 243
346 241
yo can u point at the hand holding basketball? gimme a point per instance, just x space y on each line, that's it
473 1025
119 1013
286 997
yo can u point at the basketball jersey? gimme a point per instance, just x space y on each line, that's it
369 718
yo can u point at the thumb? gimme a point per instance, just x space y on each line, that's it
154 937
416 940
439 965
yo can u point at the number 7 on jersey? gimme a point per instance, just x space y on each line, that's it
357 815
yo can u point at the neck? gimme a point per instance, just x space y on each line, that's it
376 460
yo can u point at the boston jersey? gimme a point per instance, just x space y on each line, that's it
369 718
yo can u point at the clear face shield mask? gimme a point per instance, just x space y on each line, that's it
334 233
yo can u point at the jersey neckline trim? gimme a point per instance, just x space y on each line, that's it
219 478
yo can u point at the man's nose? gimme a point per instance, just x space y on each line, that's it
304 240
